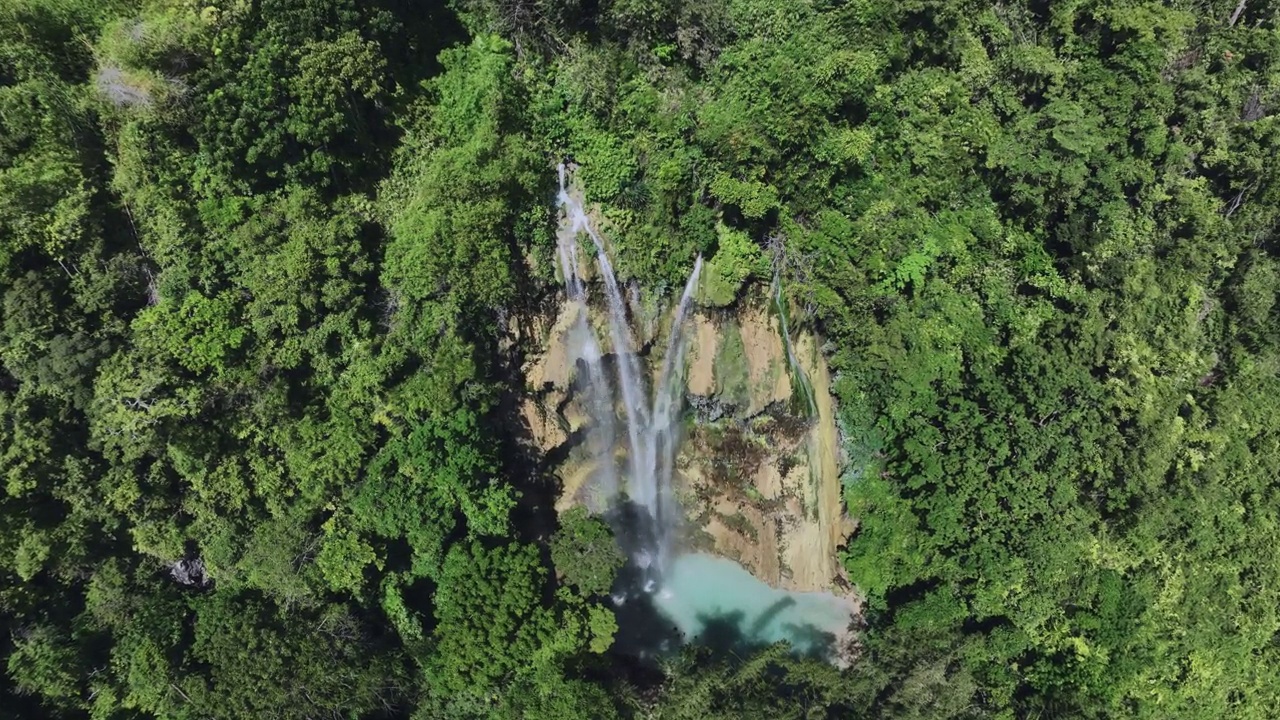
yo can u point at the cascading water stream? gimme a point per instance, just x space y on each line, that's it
666 411
650 421
686 589
797 372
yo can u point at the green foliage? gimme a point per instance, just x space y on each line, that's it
489 623
584 552
736 261
267 275
456 204
262 664
44 203
44 663
222 372
199 333
295 92
889 553
343 557
770 684
752 198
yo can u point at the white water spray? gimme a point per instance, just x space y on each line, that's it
650 419
689 589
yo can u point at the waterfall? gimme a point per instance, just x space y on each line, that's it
632 438
799 380
650 419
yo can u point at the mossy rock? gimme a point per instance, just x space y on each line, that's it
732 373
736 260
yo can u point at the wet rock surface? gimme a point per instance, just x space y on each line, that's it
190 572
758 467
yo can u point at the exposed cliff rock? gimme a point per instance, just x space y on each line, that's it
762 481
758 472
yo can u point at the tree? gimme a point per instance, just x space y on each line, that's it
584 552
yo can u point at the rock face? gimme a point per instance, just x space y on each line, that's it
190 572
762 480
758 471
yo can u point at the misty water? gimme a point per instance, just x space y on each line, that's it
704 595
668 597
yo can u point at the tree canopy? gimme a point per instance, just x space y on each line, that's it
260 269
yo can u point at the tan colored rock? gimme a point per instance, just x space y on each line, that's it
748 370
756 550
552 366
703 344
575 475
768 481
782 517
796 518
824 448
544 427
575 416
766 359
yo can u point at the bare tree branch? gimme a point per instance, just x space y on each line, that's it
1236 15
1235 203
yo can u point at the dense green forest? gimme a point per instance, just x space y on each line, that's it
260 263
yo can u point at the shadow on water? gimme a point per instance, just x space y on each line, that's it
643 632
769 614
648 635
729 634
725 615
